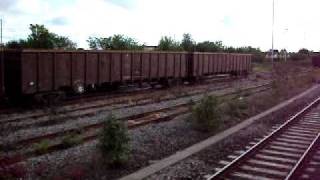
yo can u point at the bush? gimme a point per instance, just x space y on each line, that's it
114 141
42 147
169 44
206 115
298 56
71 139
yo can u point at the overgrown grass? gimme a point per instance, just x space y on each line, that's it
114 142
287 79
262 67
237 107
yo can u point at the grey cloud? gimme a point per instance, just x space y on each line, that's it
60 21
6 4
128 4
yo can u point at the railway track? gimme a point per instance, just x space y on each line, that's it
24 145
41 118
139 97
73 101
290 152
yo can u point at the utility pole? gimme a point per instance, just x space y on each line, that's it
1 32
1 60
285 47
272 54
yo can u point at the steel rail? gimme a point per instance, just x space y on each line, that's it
293 172
264 140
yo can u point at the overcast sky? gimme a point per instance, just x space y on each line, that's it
235 22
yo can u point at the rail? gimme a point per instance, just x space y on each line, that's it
236 162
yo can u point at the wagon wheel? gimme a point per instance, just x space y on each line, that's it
78 87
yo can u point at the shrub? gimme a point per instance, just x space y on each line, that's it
206 115
42 147
71 139
114 141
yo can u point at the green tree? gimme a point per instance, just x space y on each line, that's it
16 44
169 44
303 51
41 38
187 42
116 42
208 46
61 42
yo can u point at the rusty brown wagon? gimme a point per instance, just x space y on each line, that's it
2 90
315 60
203 64
43 72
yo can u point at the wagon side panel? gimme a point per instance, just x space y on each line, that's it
205 64
104 68
30 72
62 66
46 71
162 65
177 65
80 72
116 69
223 63
183 67
195 64
91 68
137 66
250 61
2 54
126 66
170 65
201 64
154 68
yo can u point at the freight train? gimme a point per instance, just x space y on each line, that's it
47 73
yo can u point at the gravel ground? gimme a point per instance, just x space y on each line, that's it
81 122
158 140
149 144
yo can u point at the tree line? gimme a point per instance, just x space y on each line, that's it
166 43
41 38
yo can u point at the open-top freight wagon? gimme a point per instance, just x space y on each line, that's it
52 72
315 60
2 90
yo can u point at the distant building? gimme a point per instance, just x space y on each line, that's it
150 48
283 54
276 54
